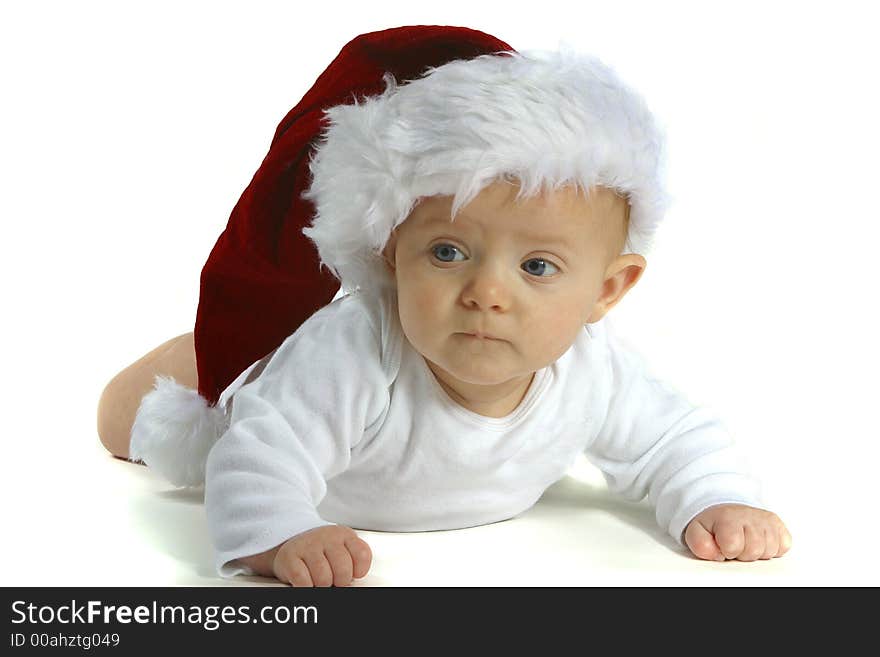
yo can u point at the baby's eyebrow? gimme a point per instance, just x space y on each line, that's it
545 240
437 219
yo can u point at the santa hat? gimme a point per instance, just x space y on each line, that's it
398 115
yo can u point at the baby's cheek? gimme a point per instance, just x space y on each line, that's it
549 336
420 304
426 300
417 307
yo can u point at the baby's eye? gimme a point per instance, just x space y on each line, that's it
538 266
444 251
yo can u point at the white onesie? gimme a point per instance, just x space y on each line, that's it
347 425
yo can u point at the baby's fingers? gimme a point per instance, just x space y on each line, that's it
319 568
730 538
784 541
778 542
771 543
753 545
340 564
702 543
294 571
361 556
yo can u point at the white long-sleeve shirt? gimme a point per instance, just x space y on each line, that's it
347 424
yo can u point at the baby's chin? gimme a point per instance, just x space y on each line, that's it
478 369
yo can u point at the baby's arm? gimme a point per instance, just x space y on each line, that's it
291 430
656 443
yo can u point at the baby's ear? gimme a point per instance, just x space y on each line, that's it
389 252
622 274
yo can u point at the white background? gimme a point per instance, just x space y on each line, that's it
129 130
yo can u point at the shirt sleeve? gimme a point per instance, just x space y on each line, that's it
290 431
655 443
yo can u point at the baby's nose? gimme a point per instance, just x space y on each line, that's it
487 288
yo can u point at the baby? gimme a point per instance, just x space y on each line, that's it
483 218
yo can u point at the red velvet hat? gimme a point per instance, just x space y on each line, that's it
262 279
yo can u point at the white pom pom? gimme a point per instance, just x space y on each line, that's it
174 430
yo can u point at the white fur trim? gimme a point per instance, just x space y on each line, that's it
546 119
174 430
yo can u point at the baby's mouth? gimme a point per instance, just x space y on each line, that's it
476 335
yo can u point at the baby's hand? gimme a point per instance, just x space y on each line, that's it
737 531
326 555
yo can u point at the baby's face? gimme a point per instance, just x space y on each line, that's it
505 288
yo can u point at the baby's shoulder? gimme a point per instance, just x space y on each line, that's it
359 327
373 311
